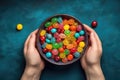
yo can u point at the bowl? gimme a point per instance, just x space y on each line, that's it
44 30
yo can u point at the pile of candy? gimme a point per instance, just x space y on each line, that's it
62 39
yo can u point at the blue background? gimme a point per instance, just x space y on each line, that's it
32 13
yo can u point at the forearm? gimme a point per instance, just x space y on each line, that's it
94 73
31 74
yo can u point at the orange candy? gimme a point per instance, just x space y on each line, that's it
70 57
71 21
73 28
61 49
64 60
65 21
49 46
69 46
55 25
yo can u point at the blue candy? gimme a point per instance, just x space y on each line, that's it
47 41
77 54
82 32
76 35
49 36
60 19
53 40
53 30
48 54
44 45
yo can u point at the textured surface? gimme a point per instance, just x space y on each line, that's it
32 13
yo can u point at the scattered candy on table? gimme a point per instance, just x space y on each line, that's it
19 27
62 39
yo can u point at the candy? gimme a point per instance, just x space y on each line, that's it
73 28
66 32
66 27
65 42
73 50
81 32
54 20
66 51
79 49
48 41
57 58
82 44
49 36
64 60
81 38
44 45
47 24
58 40
62 36
42 38
48 46
69 46
60 44
48 55
70 57
55 52
53 40
61 50
62 55
55 25
76 35
79 28
65 21
19 27
60 19
71 21
53 30
94 24
45 50
42 33
77 54
62 39
55 45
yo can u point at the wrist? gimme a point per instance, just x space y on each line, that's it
94 73
31 73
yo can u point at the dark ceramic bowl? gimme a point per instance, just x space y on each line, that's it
38 44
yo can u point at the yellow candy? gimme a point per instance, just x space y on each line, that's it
79 49
66 27
62 55
42 33
19 27
65 42
82 44
49 46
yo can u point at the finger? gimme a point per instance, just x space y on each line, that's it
93 40
25 45
96 36
31 43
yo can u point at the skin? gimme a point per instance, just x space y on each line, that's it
90 61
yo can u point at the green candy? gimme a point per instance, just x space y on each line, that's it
67 32
66 51
54 20
47 24
60 44
55 45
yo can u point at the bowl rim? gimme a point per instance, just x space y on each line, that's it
39 48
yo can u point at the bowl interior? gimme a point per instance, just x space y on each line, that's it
39 47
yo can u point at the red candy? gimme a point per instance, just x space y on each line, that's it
94 24
56 58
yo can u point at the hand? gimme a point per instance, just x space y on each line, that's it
34 63
90 61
